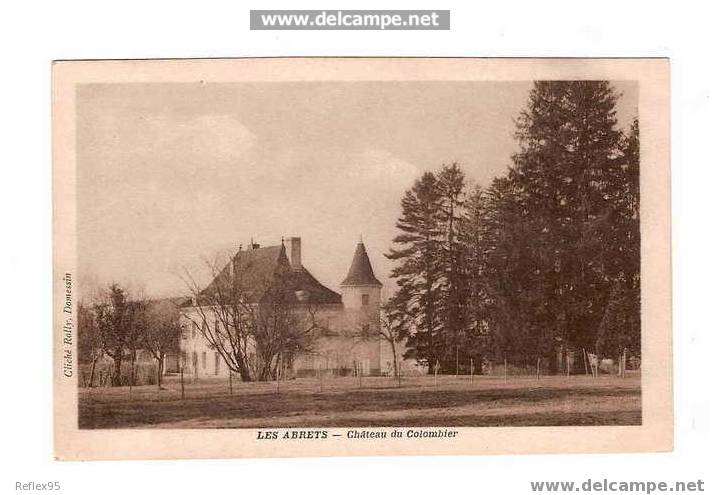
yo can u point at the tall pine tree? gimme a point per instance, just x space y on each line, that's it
620 327
568 189
479 342
453 287
419 271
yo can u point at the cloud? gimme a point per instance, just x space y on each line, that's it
224 134
196 144
381 168
169 160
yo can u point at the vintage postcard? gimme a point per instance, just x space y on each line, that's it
346 256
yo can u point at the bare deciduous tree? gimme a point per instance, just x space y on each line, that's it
393 327
283 328
251 332
89 342
223 314
162 333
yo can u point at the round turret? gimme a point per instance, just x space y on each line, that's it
360 288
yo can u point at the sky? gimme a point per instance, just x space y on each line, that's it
169 175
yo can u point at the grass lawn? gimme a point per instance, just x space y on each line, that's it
340 402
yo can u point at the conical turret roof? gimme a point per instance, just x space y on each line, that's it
361 270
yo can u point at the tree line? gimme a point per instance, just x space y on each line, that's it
255 339
545 257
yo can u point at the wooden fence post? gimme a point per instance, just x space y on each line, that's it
624 363
182 382
277 373
132 376
456 369
566 359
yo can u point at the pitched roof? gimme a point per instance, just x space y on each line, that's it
259 269
172 302
361 269
318 293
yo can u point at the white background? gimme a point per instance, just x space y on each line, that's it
36 33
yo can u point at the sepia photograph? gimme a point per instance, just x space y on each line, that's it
406 248
346 259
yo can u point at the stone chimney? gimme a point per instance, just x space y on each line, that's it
296 253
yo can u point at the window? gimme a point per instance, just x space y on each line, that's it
204 360
365 299
193 332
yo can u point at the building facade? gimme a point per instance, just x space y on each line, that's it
347 339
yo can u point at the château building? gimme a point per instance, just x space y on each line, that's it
348 340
